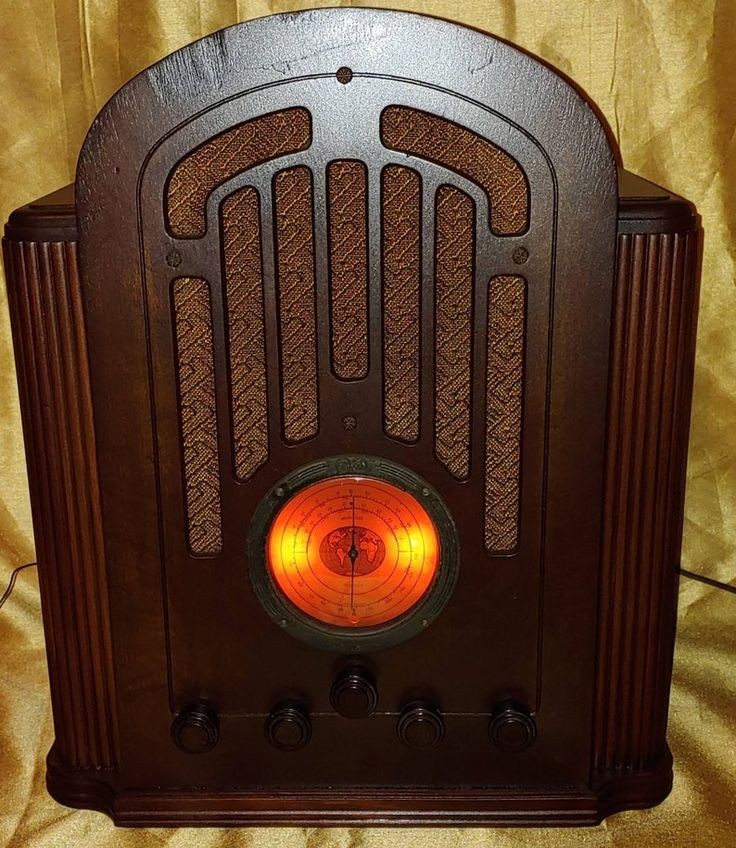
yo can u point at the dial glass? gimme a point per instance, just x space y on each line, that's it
353 551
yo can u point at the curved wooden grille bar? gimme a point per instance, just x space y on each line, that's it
222 157
448 144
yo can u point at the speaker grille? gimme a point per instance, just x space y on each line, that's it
454 254
504 386
401 227
242 147
198 413
296 303
241 240
458 148
347 208
448 344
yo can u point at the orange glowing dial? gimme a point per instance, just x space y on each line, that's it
353 551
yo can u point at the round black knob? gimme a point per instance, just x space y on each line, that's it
288 728
511 727
420 725
196 729
354 693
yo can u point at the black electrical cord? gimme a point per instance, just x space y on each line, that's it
709 581
13 577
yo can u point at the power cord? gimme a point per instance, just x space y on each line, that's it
709 581
13 577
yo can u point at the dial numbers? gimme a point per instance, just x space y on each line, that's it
353 551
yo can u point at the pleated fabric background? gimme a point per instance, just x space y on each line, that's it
663 72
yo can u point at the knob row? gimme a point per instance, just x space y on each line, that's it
288 727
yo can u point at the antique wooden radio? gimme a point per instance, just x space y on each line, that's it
355 382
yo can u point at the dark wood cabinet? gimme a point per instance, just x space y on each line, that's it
373 280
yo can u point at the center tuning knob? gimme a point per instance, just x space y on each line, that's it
354 693
420 725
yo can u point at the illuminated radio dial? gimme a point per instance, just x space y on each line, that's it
353 551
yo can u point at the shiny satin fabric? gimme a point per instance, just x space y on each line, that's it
663 74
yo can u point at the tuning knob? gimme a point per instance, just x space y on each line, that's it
354 693
288 727
420 725
196 729
511 727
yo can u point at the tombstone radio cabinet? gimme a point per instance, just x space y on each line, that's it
355 382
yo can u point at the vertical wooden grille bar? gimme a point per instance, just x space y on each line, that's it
241 240
44 293
347 199
296 302
401 228
652 357
454 254
197 413
504 395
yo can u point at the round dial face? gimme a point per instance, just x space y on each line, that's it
353 551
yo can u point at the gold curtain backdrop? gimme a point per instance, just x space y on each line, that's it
663 72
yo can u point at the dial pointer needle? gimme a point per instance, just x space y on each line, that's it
353 554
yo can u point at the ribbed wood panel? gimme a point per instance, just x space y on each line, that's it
651 374
51 356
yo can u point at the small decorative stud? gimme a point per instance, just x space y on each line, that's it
173 258
344 75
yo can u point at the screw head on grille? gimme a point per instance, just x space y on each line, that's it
344 75
173 259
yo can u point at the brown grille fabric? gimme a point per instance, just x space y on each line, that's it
504 396
454 252
296 301
400 224
241 241
222 157
458 148
197 413
347 198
